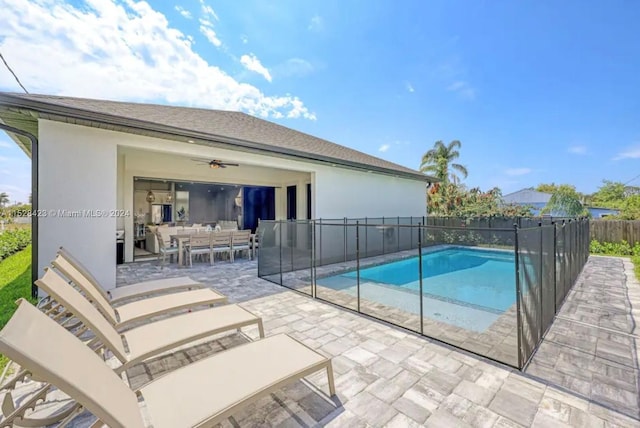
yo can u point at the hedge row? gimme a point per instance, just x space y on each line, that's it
12 241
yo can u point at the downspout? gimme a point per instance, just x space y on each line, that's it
34 203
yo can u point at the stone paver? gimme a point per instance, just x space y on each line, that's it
386 376
591 348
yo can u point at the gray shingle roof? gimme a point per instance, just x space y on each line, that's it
526 196
231 127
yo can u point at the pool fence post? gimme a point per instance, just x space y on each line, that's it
345 239
518 297
383 235
280 252
541 282
366 235
420 275
358 261
555 278
319 252
312 223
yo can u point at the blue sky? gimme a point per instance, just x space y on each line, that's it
536 91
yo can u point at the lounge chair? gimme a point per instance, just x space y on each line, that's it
200 394
138 310
150 339
132 291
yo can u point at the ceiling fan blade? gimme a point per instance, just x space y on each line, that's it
230 164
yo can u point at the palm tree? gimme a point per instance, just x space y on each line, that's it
4 199
438 161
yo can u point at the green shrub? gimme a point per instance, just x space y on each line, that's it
622 248
15 282
12 241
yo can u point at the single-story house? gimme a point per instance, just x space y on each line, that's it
537 200
105 166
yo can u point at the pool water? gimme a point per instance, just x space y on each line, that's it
461 286
477 277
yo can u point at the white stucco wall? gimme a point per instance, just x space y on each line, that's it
76 173
90 169
342 193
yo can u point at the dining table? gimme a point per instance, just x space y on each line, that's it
181 239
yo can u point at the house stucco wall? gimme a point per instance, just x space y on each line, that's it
77 173
340 192
90 168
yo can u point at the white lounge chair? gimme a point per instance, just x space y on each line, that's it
132 291
150 339
138 310
208 391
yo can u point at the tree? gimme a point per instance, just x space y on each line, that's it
547 188
438 162
565 201
4 199
448 199
610 195
630 208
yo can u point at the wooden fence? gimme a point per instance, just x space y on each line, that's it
615 230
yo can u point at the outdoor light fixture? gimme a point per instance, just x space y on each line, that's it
169 197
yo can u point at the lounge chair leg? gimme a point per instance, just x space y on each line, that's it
332 386
260 328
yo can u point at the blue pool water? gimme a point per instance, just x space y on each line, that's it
483 279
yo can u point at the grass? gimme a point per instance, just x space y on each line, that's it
636 266
15 282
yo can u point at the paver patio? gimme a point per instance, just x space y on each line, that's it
585 372
388 376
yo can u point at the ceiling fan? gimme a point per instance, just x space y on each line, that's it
215 163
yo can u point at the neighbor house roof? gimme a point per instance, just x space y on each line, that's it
228 129
526 196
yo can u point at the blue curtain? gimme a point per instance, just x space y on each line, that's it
167 214
258 203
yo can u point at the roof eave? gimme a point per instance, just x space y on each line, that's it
81 114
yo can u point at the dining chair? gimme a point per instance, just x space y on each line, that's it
164 250
240 242
221 244
199 244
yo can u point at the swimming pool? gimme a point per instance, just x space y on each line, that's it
466 287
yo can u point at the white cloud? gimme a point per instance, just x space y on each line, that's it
293 67
184 12
207 30
6 144
517 171
244 39
383 148
463 89
410 87
577 150
208 10
121 51
316 24
252 63
206 24
632 152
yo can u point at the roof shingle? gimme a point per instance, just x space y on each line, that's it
213 123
